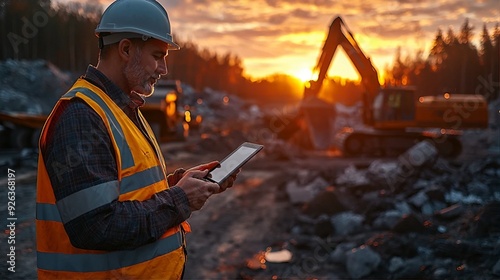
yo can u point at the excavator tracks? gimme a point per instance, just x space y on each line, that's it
387 143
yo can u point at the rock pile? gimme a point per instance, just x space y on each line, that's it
418 216
31 86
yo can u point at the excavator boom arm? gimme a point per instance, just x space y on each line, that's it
339 35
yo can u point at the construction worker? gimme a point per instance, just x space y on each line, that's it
106 208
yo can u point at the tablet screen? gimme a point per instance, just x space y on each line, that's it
234 161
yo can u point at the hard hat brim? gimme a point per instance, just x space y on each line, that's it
117 37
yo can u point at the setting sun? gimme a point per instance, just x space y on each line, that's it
303 74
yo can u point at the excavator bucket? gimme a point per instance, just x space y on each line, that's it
320 121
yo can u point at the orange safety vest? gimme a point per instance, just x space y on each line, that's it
141 173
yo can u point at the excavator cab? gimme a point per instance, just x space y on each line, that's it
394 108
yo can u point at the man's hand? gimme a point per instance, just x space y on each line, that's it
229 182
196 188
199 190
205 166
174 178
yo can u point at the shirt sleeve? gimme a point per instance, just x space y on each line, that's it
78 156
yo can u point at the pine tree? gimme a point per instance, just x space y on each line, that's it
486 56
437 54
495 79
468 61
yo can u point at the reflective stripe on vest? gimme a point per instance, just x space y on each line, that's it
47 212
110 260
88 199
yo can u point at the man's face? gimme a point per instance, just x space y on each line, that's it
146 66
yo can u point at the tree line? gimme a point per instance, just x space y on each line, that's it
64 35
61 34
454 64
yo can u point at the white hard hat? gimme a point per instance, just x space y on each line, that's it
135 19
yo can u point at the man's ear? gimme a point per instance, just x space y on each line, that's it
124 47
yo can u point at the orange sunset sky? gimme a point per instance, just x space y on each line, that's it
285 36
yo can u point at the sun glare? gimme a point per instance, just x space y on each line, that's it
303 74
340 66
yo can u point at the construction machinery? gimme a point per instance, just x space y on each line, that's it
20 130
162 110
394 118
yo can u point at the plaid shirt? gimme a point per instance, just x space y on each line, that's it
79 155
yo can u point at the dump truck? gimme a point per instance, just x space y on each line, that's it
162 110
393 118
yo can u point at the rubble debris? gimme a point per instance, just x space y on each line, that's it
411 268
347 223
323 226
451 212
326 202
299 193
395 264
31 86
420 154
408 224
390 174
487 221
362 261
353 177
339 254
439 221
496 269
456 196
348 116
387 220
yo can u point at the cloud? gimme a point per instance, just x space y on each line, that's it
314 3
278 19
263 29
302 13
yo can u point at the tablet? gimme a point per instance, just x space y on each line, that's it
233 162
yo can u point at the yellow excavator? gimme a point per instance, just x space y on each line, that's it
393 118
